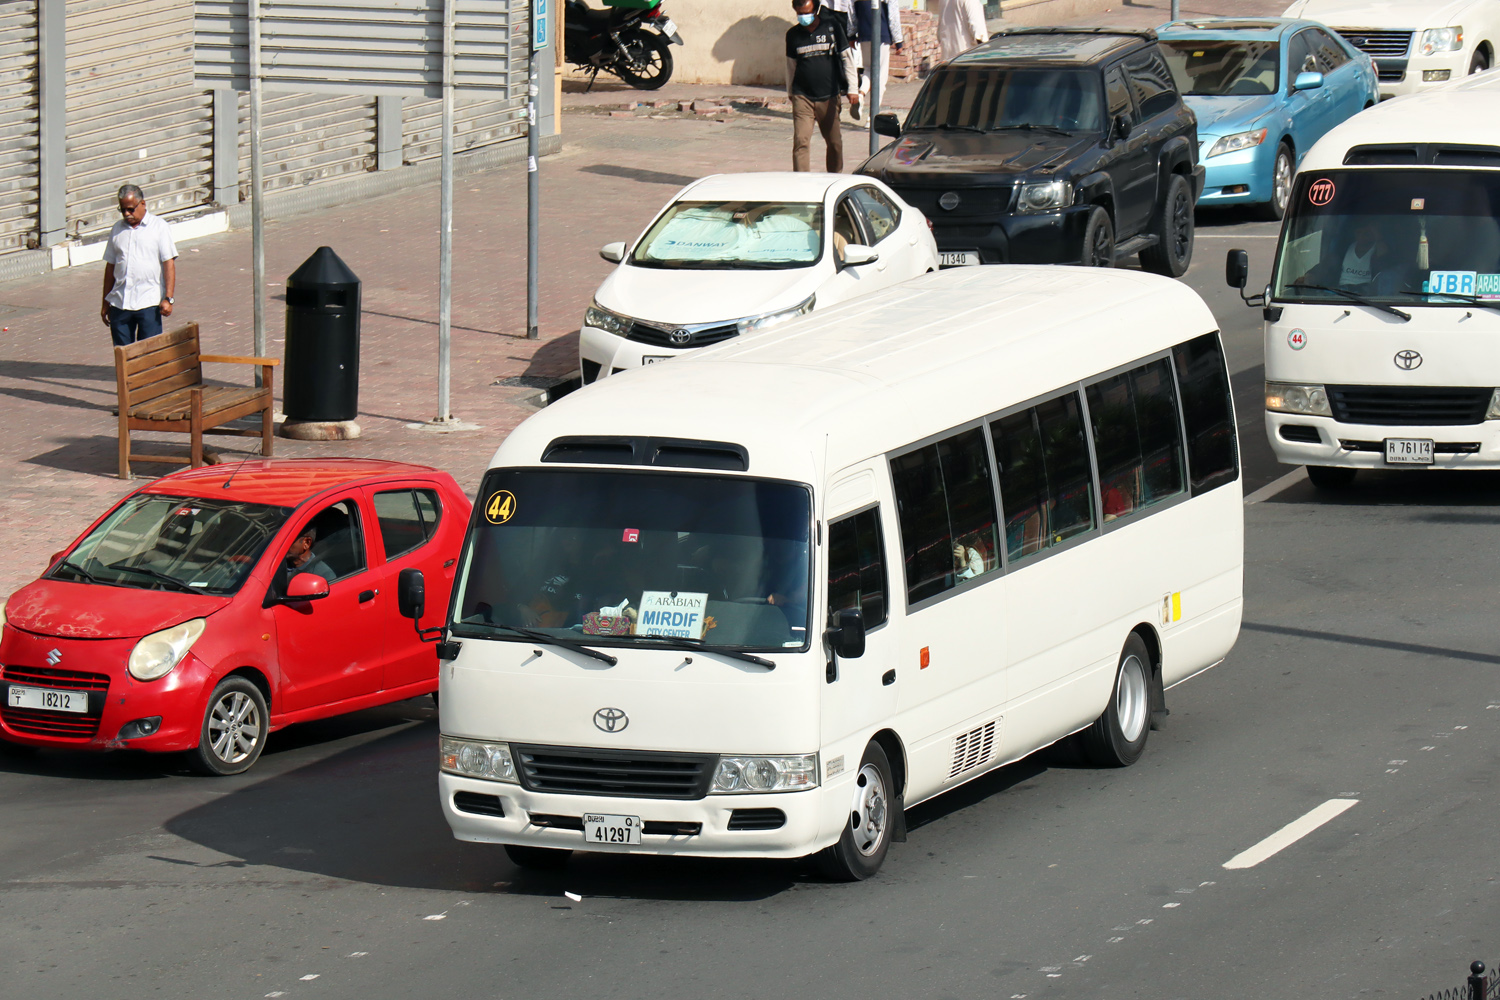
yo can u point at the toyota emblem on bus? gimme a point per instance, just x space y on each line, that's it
1407 360
611 720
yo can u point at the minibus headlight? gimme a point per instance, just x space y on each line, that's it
754 323
1441 40
602 319
765 774
473 759
156 654
1238 141
1308 400
1493 413
1044 196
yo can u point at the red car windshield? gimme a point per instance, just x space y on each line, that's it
187 544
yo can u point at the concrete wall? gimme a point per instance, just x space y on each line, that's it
730 41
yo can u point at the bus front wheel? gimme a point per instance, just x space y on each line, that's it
862 847
546 859
1118 737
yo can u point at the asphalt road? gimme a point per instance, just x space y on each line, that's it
1365 672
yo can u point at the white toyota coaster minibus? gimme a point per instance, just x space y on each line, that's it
760 600
1383 314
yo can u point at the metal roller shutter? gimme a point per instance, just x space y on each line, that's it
477 122
308 137
19 124
134 113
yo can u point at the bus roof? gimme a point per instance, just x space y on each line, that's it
871 375
1464 112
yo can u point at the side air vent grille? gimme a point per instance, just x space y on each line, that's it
474 802
972 749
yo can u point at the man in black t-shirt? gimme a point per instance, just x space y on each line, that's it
819 67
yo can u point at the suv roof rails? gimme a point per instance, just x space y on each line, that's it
1062 29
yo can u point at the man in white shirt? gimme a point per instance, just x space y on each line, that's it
961 26
140 271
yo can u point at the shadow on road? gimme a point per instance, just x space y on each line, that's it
1425 488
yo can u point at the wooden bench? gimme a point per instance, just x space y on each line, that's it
160 383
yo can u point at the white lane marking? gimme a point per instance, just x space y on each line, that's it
1290 834
310 977
437 916
1168 906
1269 490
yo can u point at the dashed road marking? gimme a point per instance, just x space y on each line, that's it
1290 834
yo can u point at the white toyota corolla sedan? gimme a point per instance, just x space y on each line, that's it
736 253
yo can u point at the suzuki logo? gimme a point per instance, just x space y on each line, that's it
681 338
1407 360
611 720
54 658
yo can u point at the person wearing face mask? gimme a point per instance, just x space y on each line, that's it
819 67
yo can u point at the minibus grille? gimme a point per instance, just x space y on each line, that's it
1378 44
1408 405
645 333
635 774
39 722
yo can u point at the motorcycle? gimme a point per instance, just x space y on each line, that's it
630 38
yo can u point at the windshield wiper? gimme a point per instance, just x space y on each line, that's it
91 578
170 581
680 642
538 635
944 126
1461 296
1362 300
1032 127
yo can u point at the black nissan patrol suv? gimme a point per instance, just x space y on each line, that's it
1051 146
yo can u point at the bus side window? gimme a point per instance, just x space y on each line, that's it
1137 438
1046 484
1213 457
856 567
946 506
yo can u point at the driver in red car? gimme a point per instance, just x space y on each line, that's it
299 558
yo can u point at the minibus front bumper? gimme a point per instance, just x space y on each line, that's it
718 826
1362 446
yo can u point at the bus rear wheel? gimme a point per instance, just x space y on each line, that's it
862 847
541 859
1118 737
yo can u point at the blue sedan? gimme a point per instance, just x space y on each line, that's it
1264 90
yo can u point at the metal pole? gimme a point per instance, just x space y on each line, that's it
1176 9
533 194
445 224
874 70
257 190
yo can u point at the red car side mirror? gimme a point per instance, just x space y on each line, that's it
306 587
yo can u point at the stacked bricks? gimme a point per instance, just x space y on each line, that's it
920 54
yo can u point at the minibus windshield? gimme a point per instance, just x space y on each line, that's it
1426 237
614 558
187 544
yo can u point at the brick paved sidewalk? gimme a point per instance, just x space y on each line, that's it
57 436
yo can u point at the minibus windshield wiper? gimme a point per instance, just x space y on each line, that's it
1362 300
1472 300
678 642
554 640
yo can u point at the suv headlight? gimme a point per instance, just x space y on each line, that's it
156 654
752 324
602 319
473 759
1238 141
1309 400
1044 196
1441 40
765 774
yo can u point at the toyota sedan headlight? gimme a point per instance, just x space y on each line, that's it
610 322
473 759
1238 141
754 324
156 654
1436 40
1308 400
1044 196
736 775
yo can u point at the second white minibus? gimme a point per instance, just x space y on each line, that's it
758 601
1382 333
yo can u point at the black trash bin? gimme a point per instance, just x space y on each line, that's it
321 378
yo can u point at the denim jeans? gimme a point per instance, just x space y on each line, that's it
127 326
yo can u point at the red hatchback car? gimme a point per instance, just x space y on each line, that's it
218 604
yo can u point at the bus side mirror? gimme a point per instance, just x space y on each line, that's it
1237 269
411 593
847 638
